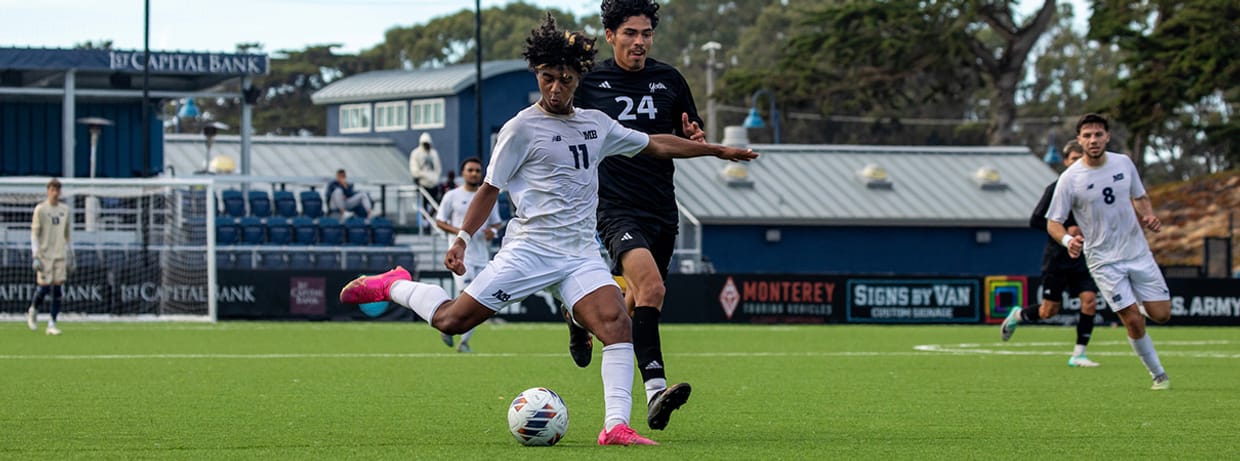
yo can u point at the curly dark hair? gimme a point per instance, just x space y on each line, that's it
1092 118
548 47
615 12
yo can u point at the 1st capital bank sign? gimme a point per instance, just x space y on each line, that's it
189 63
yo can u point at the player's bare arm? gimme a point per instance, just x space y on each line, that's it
479 210
1074 243
1145 213
667 146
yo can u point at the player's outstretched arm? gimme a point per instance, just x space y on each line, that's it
477 214
669 146
1074 243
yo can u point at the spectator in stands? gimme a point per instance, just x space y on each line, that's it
342 197
450 218
52 255
425 167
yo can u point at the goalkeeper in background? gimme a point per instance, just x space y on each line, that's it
53 257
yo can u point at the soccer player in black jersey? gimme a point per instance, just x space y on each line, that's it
1060 271
637 214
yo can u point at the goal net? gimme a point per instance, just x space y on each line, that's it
144 248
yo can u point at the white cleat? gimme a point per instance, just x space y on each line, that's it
53 331
32 319
1081 361
1161 383
1009 324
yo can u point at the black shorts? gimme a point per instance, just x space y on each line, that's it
622 231
1054 283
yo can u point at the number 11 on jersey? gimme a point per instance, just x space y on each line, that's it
581 157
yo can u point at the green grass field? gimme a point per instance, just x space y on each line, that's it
392 391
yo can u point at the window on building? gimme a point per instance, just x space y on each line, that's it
355 118
390 116
426 113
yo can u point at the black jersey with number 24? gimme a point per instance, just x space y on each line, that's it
651 101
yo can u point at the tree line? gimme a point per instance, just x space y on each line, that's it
911 72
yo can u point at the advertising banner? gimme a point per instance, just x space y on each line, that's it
891 300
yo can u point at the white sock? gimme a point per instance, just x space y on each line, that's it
618 363
423 298
51 323
1144 348
1079 350
653 387
468 334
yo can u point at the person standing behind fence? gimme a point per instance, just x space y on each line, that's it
450 217
424 166
342 197
52 255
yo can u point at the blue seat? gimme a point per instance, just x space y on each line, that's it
356 232
305 232
355 261
234 202
196 230
272 260
252 231
327 261
286 203
243 259
227 232
224 260
300 260
311 204
260 203
381 232
404 258
330 231
279 232
379 262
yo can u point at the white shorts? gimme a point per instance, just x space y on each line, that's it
520 270
1125 283
471 273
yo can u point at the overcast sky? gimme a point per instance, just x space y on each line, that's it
218 25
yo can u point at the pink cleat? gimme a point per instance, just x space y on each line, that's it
372 288
622 434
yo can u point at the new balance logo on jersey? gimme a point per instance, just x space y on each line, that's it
657 86
1117 297
500 295
604 84
1118 177
556 138
654 365
1089 187
626 237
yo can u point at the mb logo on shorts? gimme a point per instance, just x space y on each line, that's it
500 295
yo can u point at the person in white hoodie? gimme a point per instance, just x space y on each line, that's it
424 165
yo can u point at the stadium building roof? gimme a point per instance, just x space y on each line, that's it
401 84
367 160
867 186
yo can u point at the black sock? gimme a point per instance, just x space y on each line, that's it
1084 328
39 294
56 294
1030 314
646 342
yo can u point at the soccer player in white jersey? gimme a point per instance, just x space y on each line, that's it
1105 194
52 255
449 218
547 157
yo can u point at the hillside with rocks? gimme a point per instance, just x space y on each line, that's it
1191 211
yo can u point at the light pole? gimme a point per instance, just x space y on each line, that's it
754 120
95 125
712 124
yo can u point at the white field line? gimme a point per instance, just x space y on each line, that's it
1015 349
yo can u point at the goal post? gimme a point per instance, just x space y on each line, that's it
144 248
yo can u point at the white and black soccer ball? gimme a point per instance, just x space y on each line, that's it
538 417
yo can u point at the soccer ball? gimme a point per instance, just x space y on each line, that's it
538 417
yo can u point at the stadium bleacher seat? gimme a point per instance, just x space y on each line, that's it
356 232
234 202
381 232
379 262
286 203
311 204
196 230
327 261
224 260
227 232
354 261
404 258
260 203
279 232
252 231
271 260
330 231
300 260
305 232
243 259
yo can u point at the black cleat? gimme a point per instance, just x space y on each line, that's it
664 403
580 344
